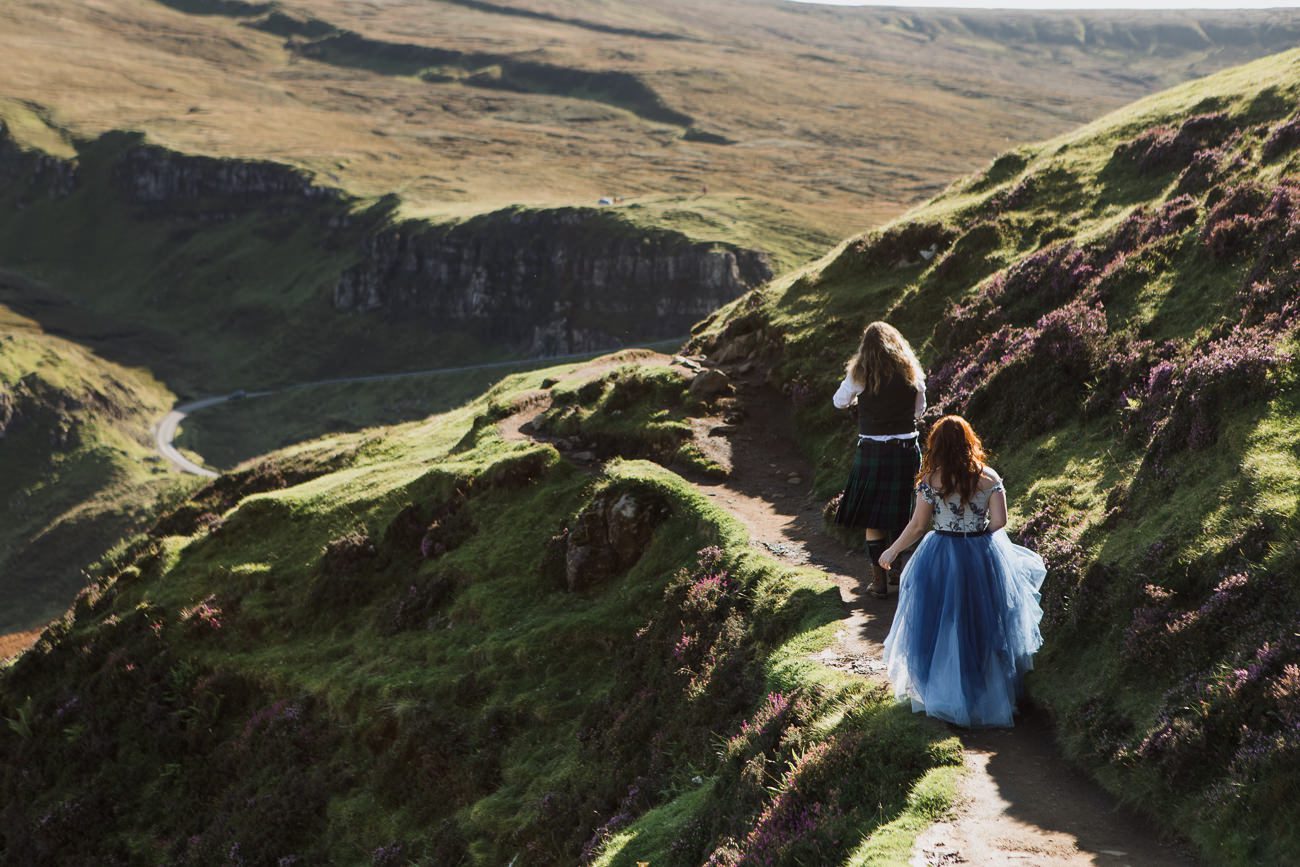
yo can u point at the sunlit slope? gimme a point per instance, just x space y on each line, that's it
1116 310
466 107
77 467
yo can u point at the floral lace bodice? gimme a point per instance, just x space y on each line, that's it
951 514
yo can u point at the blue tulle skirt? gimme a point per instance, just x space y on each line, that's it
966 628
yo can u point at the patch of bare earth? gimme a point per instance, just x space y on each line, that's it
16 642
1020 802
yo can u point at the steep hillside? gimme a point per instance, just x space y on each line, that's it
77 465
432 644
1117 311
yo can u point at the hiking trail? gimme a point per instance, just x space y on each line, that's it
1019 802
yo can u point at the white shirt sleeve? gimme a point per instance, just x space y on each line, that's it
844 395
920 400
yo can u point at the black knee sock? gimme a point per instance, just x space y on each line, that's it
876 547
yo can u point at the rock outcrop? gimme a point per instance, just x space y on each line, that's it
555 281
607 538
154 175
32 173
525 281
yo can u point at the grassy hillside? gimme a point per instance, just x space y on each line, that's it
428 644
469 107
77 468
1116 310
411 644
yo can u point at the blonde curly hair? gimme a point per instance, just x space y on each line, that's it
883 353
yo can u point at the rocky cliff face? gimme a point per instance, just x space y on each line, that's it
548 282
154 175
538 282
33 174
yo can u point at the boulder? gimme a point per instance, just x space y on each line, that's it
608 537
710 384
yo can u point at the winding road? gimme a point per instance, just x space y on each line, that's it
164 432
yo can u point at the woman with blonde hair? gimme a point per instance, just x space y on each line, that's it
889 386
966 628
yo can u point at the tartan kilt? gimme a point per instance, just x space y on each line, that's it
880 490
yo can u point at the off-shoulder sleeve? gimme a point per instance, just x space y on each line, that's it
846 392
997 481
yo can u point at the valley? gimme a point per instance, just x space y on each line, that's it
480 577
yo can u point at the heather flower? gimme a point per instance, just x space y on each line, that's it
67 708
795 812
768 722
387 856
705 591
1142 227
1163 148
710 557
629 807
204 615
1183 403
279 713
1248 213
1283 138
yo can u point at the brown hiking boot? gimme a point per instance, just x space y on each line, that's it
879 581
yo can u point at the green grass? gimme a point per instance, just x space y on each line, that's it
77 466
930 800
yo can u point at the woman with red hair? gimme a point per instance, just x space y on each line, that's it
966 628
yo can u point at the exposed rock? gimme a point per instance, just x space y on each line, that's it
6 412
155 175
688 363
710 384
740 347
746 339
34 173
555 281
607 537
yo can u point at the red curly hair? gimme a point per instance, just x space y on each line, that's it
953 450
